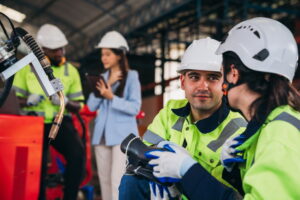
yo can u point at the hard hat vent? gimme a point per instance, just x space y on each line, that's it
264 45
262 55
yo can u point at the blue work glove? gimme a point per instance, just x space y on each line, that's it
160 192
229 155
34 99
169 166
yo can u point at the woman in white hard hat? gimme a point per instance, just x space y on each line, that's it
260 59
117 107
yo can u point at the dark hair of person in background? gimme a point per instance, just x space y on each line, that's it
275 90
124 68
296 80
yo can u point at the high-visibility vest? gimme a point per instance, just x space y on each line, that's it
26 83
202 139
272 156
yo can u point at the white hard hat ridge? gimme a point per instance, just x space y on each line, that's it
113 40
51 37
200 55
264 45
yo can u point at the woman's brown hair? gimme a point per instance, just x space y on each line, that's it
124 66
274 90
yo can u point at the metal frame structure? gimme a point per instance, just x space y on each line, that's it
145 15
199 18
151 27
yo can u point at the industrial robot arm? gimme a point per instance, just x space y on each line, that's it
9 65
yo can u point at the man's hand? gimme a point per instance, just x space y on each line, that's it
34 99
229 155
71 106
170 166
106 92
160 192
55 100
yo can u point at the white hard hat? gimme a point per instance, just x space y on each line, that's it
51 37
113 40
264 45
200 55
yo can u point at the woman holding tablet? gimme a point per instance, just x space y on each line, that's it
117 105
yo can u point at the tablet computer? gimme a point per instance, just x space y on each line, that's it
92 82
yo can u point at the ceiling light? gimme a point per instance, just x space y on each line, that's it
12 14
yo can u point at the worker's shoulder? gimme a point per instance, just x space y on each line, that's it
24 71
287 109
237 118
71 69
71 66
176 103
133 73
27 68
283 116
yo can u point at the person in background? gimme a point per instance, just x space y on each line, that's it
259 67
34 102
200 123
296 80
117 103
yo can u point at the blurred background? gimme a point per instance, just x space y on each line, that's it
158 32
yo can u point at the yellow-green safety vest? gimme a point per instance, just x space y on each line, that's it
26 83
273 157
203 139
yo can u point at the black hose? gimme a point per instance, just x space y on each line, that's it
38 52
82 124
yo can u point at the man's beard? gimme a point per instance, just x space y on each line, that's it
202 104
55 62
206 106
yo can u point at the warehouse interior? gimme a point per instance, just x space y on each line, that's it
157 32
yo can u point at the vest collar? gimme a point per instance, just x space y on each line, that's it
208 124
251 130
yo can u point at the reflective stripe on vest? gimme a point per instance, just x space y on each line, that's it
228 131
284 116
21 91
40 113
65 114
66 72
179 124
152 138
30 112
74 95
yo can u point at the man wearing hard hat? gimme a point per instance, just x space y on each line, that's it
200 123
35 102
259 67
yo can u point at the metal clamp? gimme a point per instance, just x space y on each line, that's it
57 85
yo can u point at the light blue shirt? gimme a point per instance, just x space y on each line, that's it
116 117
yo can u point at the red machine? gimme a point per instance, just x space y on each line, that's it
20 157
21 152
